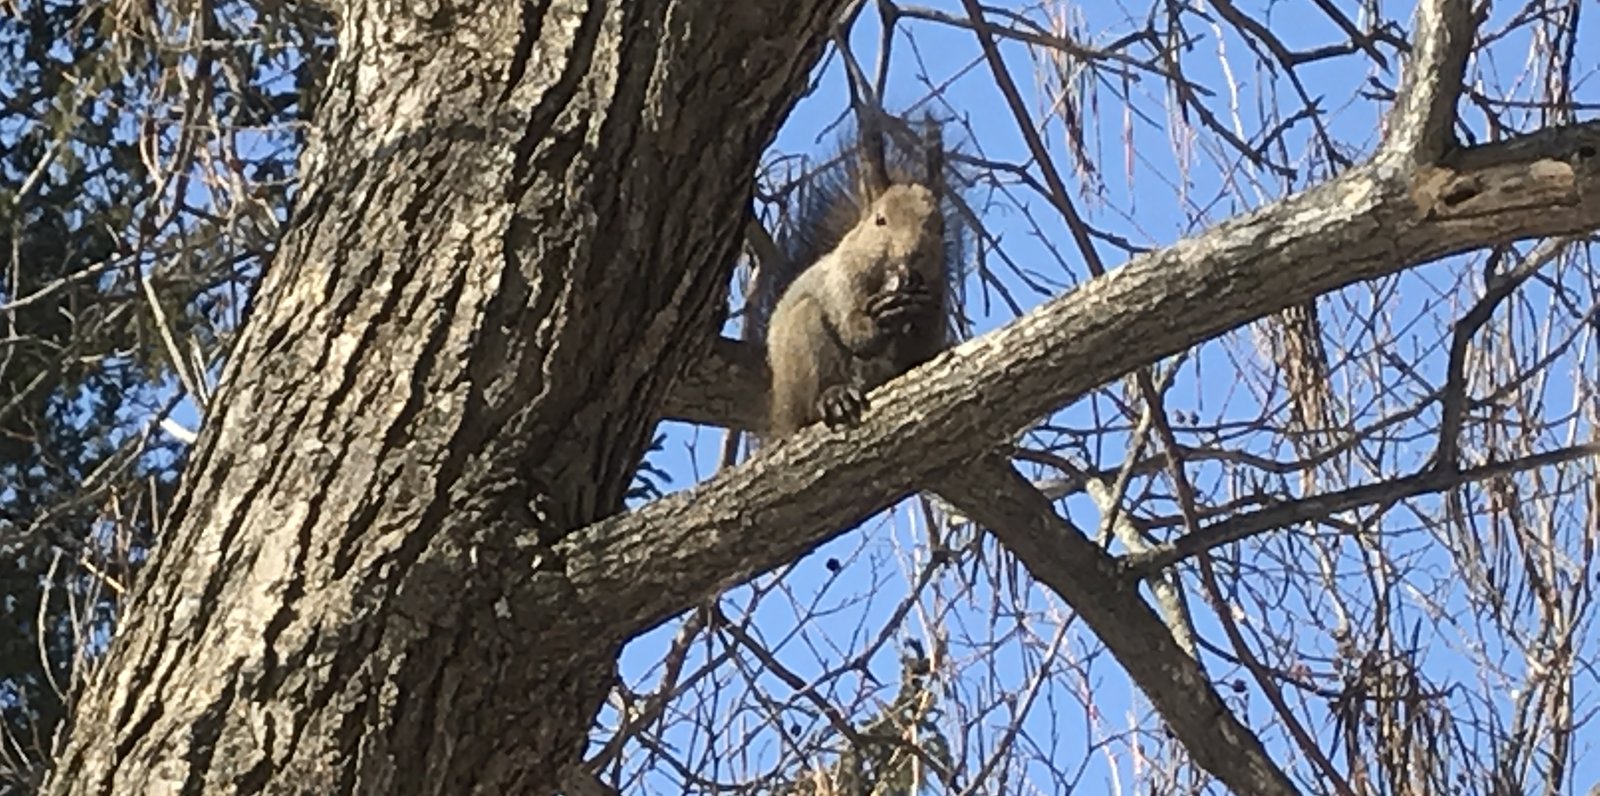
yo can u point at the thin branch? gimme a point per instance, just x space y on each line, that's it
1036 147
1317 507
1455 399
1062 558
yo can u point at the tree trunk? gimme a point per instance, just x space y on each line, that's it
516 229
495 277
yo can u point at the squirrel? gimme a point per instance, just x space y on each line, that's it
873 245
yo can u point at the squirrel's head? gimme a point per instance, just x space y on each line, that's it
908 214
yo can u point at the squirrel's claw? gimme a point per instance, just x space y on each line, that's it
898 311
841 405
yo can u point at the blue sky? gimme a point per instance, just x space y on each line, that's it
1153 184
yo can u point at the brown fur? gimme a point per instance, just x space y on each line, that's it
870 309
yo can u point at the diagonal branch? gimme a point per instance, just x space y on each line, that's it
1058 555
641 567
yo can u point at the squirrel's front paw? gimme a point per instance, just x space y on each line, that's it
901 305
841 405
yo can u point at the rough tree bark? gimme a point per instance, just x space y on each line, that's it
517 226
492 287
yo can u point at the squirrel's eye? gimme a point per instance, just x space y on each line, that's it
881 221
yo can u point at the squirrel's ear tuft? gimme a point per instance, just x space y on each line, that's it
874 165
933 153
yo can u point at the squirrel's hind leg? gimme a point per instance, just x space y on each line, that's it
805 359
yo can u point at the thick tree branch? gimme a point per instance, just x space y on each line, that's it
635 570
1408 207
726 388
1369 223
1502 184
459 353
1420 128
